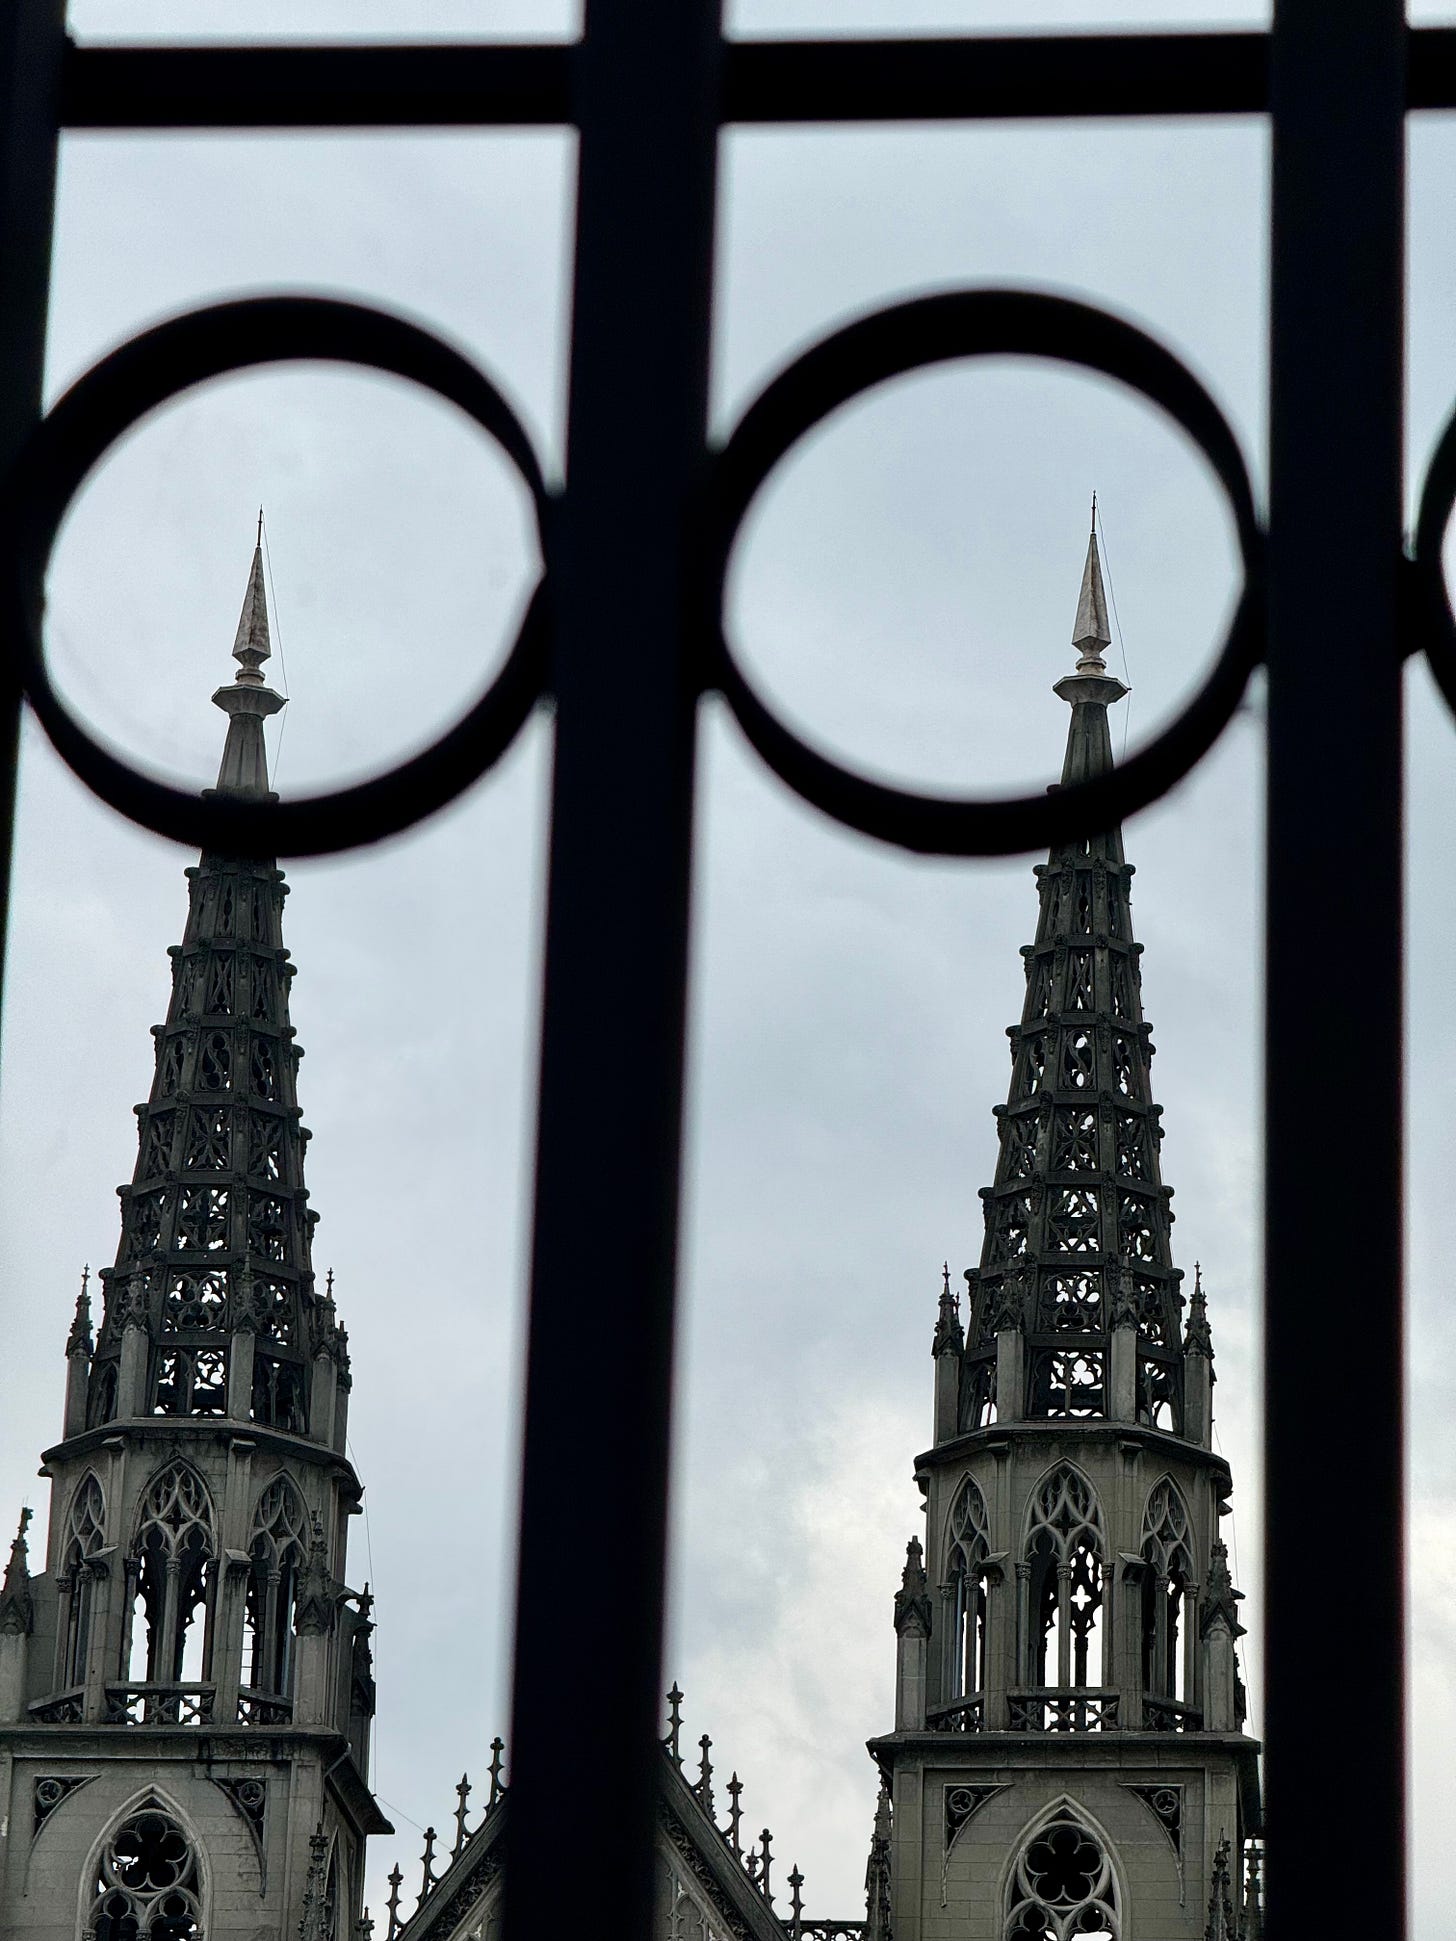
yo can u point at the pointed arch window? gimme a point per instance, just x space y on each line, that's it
1167 1592
85 1536
275 1557
1063 1574
172 1576
1062 1886
970 1546
148 1884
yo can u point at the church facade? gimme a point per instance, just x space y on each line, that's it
185 1683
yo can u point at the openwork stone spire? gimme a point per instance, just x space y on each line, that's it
1076 1255
213 1285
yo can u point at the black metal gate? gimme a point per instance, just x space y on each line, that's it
624 632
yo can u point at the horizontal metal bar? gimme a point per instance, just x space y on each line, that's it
1025 77
1012 77
317 87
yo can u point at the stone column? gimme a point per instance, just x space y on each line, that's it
1122 1375
314 1625
323 1398
108 1575
227 1666
947 1395
912 1629
17 1617
948 1348
1198 1370
131 1386
1219 1672
1000 1644
78 1371
1219 1627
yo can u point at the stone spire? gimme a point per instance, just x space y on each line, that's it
1067 1691
78 1341
1076 1273
210 1307
16 1610
248 701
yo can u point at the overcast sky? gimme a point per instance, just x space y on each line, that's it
905 589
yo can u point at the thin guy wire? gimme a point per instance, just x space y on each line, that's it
278 630
1121 644
398 1809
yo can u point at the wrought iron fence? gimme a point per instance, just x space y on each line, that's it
624 632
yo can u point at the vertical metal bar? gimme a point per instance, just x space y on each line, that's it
1333 1020
594 1492
31 43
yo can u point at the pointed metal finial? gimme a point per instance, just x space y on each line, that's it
704 1787
248 701
259 539
1090 630
674 1723
1094 512
427 1861
735 1812
462 1794
253 643
497 1752
765 1841
396 1881
796 1916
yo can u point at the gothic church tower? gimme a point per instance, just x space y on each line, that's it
1069 1755
185 1686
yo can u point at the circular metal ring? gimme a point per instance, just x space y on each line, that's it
906 337
114 395
1429 621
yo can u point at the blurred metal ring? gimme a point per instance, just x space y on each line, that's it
906 337
116 394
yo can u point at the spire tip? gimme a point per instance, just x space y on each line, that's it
248 701
1090 631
